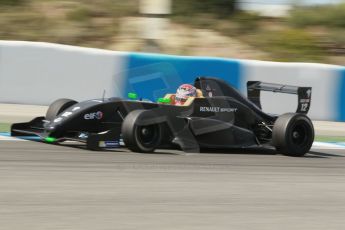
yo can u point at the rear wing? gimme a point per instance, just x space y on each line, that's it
304 93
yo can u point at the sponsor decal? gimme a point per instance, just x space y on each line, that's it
218 109
83 135
57 119
94 116
304 100
209 91
66 114
109 144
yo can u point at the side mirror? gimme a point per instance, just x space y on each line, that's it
132 96
164 100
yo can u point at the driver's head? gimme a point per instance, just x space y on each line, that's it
184 92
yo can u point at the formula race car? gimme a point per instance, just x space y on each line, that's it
219 117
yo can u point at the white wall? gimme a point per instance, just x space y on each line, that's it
39 73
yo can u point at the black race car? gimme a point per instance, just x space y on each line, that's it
220 117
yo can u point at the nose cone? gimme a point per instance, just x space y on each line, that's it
49 127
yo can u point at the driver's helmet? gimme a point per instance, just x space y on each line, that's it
183 93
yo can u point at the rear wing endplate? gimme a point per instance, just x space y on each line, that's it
304 93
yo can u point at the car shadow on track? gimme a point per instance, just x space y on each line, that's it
322 155
244 151
118 150
249 151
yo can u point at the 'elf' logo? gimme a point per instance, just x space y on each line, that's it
92 116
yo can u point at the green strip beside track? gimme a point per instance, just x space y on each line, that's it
5 127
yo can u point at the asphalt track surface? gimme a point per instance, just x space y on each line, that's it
46 187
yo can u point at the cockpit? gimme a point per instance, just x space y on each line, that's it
187 102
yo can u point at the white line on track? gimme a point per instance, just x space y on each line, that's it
5 138
323 145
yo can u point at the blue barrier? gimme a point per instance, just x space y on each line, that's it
152 75
341 97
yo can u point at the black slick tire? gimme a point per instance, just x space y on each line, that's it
57 107
293 134
140 138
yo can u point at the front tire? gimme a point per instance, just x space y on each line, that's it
140 138
57 107
293 134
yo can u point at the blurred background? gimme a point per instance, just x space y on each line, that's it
274 30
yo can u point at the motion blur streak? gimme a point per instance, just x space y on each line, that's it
341 98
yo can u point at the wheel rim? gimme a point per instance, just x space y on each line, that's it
299 134
148 135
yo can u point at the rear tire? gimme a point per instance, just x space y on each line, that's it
57 107
293 134
140 138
